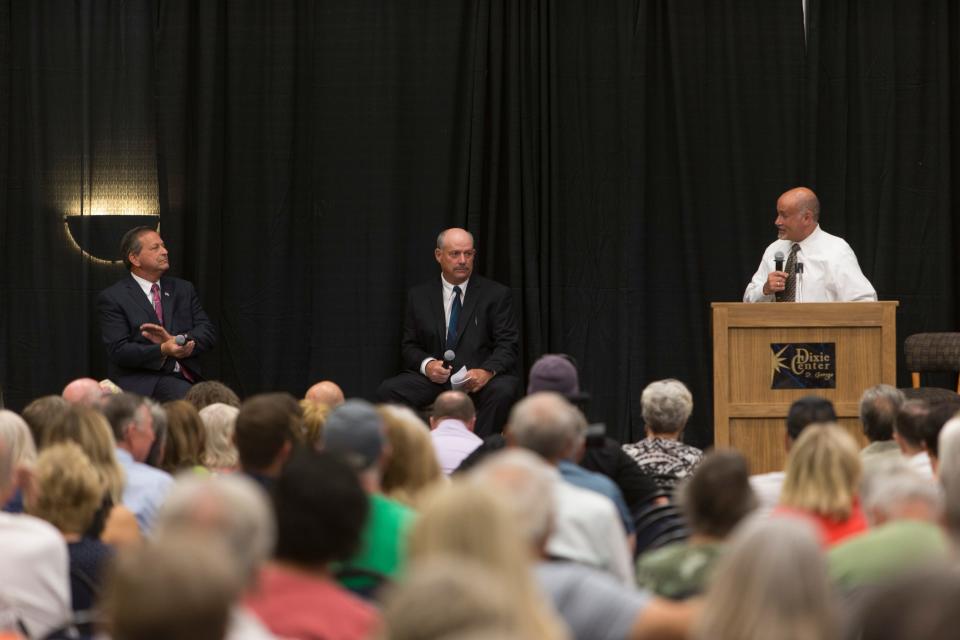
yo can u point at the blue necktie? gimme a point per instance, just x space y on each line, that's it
454 316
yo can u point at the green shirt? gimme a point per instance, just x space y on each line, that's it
678 571
383 544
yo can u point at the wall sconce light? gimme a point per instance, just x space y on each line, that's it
98 235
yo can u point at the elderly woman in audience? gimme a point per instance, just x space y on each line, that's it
186 438
68 493
469 521
412 467
205 393
770 583
714 500
114 523
220 454
43 412
662 455
822 482
17 433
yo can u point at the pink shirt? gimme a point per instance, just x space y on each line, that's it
453 442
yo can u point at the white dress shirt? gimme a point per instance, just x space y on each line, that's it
447 306
831 272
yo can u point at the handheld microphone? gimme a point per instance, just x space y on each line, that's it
778 260
182 339
448 357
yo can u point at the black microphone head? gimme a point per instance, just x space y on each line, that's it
181 340
778 260
449 355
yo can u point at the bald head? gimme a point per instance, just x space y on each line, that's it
798 211
325 392
83 391
455 405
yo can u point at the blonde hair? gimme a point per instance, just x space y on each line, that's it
186 437
823 472
314 418
69 489
468 521
771 582
412 466
89 429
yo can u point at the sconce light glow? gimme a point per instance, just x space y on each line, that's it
97 234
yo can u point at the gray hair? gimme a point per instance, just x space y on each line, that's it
949 472
219 421
879 406
443 234
16 432
891 485
667 405
527 484
547 424
232 507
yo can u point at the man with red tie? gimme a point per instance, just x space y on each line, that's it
153 325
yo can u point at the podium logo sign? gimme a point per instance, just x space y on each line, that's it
804 365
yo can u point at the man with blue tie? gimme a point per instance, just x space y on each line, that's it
473 318
152 324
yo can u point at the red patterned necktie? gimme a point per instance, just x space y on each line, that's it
155 294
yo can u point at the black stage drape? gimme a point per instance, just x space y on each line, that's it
619 163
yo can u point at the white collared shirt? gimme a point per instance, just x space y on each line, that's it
447 306
831 272
146 285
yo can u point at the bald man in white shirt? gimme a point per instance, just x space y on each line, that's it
830 271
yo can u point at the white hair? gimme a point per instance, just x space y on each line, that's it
545 423
219 421
527 484
667 405
892 485
16 446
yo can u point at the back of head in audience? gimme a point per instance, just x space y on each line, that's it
879 406
68 488
823 472
314 418
412 466
219 421
453 405
325 392
316 527
85 391
949 475
16 433
921 604
208 392
557 372
180 587
89 429
548 425
893 490
666 406
231 507
909 428
718 495
771 582
186 437
806 411
940 413
355 431
7 464
265 431
41 413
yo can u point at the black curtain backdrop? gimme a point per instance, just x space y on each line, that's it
618 162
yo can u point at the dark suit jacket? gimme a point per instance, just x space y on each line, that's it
487 328
135 363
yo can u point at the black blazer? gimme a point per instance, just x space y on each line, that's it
488 337
135 363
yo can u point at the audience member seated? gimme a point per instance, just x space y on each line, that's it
879 406
355 431
714 500
208 392
474 603
235 511
314 418
451 429
921 604
146 486
68 493
472 522
24 455
159 416
662 455
295 595
186 442
588 528
770 583
949 476
411 469
266 429
940 413
908 432
558 372
325 392
35 588
84 391
822 482
114 523
219 423
41 413
804 411
904 510
593 604
182 587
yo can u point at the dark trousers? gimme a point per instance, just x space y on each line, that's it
171 387
493 402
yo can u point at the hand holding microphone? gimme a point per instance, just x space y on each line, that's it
439 371
776 279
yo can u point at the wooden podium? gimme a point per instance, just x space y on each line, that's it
749 415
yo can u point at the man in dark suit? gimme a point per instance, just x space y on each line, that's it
142 317
470 316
